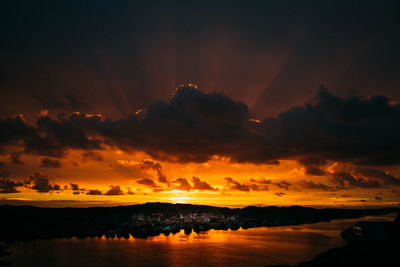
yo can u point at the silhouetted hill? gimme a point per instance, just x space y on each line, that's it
370 244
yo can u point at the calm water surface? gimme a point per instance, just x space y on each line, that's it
252 247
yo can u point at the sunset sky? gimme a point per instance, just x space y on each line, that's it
227 103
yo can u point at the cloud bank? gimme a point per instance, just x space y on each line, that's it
194 127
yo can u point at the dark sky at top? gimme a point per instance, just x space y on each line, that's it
77 71
114 57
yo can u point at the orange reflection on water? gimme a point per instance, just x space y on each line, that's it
210 236
252 247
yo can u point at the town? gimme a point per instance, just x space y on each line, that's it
191 221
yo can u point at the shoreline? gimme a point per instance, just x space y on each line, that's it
152 219
337 251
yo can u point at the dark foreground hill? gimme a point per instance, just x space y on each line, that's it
370 244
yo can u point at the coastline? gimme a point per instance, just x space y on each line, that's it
152 219
282 243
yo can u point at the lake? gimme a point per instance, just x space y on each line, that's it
252 247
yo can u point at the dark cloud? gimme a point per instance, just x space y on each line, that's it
92 155
197 184
182 184
147 182
281 184
94 192
13 129
155 166
235 185
312 170
359 131
50 163
280 194
193 127
9 186
345 180
179 184
379 175
246 187
313 165
41 183
364 178
311 185
115 190
54 138
51 137
74 187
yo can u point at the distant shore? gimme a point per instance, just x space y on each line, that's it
151 219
